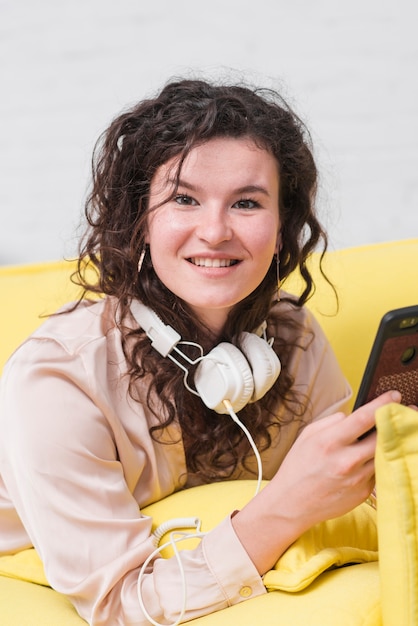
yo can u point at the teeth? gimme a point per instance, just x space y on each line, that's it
203 262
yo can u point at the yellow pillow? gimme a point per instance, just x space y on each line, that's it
26 604
25 565
397 510
351 538
351 593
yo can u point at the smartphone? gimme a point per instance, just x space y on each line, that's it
393 360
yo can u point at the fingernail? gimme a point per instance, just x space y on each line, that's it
396 396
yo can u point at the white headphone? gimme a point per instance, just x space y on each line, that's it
225 373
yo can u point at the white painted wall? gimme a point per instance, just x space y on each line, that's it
350 68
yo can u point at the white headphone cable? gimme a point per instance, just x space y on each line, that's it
182 536
177 536
247 433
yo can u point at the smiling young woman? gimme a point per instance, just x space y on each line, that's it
198 194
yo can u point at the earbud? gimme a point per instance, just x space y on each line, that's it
225 373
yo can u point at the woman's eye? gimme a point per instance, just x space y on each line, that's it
185 200
246 203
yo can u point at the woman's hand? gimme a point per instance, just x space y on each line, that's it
328 471
330 468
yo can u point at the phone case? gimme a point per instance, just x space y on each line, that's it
393 361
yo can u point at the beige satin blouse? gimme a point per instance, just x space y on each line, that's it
77 463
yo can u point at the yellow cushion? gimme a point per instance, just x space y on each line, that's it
349 539
29 292
25 565
345 597
397 493
26 604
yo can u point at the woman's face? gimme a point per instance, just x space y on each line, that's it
213 242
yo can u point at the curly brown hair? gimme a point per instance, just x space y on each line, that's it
187 113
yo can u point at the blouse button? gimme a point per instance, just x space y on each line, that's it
245 592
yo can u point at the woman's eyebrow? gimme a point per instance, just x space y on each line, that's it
253 189
184 183
239 190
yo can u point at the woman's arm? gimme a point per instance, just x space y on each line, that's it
63 471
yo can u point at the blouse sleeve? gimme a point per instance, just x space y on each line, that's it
59 461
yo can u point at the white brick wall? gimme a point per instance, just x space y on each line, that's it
67 68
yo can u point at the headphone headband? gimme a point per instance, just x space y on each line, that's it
225 373
163 338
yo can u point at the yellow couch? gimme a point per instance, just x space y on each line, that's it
305 587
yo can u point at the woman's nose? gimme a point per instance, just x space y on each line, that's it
214 225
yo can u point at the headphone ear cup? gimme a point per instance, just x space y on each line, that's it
264 362
224 374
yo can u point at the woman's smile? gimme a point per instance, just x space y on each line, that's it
207 262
